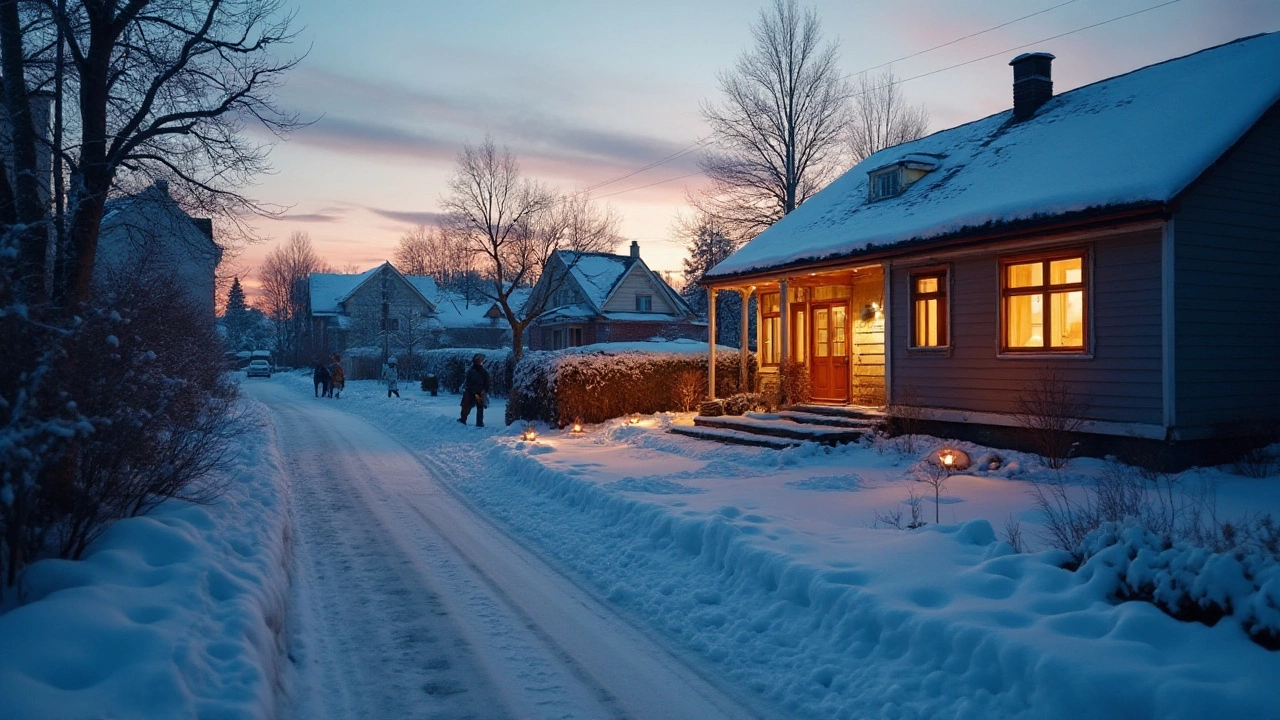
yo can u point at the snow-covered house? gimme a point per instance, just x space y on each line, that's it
602 297
474 323
1124 235
148 232
349 310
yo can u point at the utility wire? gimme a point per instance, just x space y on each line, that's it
961 39
1020 47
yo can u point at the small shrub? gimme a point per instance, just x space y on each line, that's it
1013 534
743 403
793 385
894 517
1053 413
1258 462
903 419
688 388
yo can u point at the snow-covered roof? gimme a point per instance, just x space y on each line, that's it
329 289
424 284
1129 140
597 273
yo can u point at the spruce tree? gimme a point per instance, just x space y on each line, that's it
236 317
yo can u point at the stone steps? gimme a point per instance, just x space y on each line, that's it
732 437
774 426
839 411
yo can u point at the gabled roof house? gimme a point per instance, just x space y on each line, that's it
1123 237
348 310
148 232
602 297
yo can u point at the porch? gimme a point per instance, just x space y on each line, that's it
831 322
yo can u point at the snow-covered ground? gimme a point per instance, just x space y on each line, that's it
447 571
765 566
178 614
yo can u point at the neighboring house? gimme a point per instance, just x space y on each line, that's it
348 310
600 297
1124 235
474 324
149 232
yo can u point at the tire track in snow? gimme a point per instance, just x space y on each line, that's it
401 589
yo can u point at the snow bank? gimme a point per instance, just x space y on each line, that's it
175 614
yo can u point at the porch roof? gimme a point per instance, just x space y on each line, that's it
1128 141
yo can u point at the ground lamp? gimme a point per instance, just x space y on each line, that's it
529 434
634 419
576 428
952 460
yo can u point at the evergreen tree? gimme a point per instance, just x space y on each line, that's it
708 245
236 317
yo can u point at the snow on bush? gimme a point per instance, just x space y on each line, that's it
1188 582
559 387
449 365
177 614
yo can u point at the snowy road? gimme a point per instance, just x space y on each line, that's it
407 604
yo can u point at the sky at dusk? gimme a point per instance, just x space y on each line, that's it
585 92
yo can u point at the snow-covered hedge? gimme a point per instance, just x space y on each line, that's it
450 365
1189 583
558 387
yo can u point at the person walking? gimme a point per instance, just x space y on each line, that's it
337 378
392 377
475 390
320 376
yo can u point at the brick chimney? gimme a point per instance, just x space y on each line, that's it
635 249
1032 83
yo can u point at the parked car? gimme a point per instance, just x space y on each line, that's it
258 368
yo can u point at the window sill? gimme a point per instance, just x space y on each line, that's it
1042 355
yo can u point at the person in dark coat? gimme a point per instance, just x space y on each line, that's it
320 376
475 390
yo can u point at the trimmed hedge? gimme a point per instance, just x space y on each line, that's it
450 365
558 388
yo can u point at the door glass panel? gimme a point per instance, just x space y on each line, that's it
1026 321
927 285
1067 312
839 331
800 331
821 332
1026 275
1063 272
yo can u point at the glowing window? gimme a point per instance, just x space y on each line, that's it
1043 303
929 310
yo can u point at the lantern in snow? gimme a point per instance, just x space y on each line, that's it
634 419
576 428
951 459
529 434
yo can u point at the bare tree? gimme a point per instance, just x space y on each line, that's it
778 129
153 88
286 292
435 252
882 117
513 225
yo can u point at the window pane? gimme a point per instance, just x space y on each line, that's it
927 322
769 303
927 285
821 332
931 312
1062 272
1026 275
1025 317
838 337
1067 311
800 335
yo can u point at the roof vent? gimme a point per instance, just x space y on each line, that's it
1032 83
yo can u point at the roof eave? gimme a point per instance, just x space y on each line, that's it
1082 220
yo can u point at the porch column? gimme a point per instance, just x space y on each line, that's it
711 342
784 307
742 347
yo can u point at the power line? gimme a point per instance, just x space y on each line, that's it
961 39
660 182
1020 47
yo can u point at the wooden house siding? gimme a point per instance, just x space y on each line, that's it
637 282
1227 296
1121 380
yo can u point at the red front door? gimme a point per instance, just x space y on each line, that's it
829 360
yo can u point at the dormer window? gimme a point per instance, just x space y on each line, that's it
890 180
886 183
